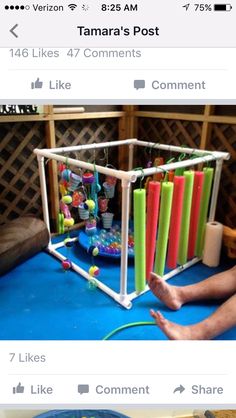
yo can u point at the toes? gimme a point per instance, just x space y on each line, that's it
154 314
159 318
154 280
154 276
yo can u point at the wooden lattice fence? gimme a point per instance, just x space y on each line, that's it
223 138
168 131
80 132
19 181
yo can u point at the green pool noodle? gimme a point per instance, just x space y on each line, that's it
179 171
206 193
140 239
163 227
186 213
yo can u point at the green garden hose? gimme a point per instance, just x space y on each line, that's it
131 324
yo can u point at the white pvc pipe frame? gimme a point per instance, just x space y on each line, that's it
126 177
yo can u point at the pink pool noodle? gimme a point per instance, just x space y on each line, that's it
65 210
152 220
175 221
195 210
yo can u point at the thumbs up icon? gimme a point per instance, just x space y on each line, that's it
37 84
18 389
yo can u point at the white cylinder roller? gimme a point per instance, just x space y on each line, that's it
212 245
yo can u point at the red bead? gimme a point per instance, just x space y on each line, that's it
66 264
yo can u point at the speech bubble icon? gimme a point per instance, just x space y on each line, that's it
139 84
83 389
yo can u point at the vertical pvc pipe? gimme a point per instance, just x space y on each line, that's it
43 186
184 230
206 192
215 189
195 211
175 221
163 227
140 239
152 221
124 237
130 167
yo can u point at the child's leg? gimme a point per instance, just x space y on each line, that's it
219 286
220 321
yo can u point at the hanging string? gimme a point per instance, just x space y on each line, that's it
141 177
165 173
182 156
207 162
170 160
105 156
148 152
166 177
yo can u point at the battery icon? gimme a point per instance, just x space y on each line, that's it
222 7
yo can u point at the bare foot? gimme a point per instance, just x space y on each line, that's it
169 295
171 330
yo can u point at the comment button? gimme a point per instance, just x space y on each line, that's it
83 389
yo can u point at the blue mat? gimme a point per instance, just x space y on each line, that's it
38 301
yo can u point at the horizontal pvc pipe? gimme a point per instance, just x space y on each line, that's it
154 145
122 175
167 276
134 295
61 244
172 166
181 268
134 141
92 146
124 302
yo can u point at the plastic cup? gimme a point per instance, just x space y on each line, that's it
91 229
109 190
83 213
75 180
107 219
111 180
102 203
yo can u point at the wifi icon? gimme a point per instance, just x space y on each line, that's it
72 6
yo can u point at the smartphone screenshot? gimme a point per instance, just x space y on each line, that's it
117 209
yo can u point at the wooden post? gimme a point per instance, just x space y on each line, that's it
128 128
206 129
206 126
53 172
122 151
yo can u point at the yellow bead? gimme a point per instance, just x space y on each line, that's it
89 204
67 199
94 271
68 222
